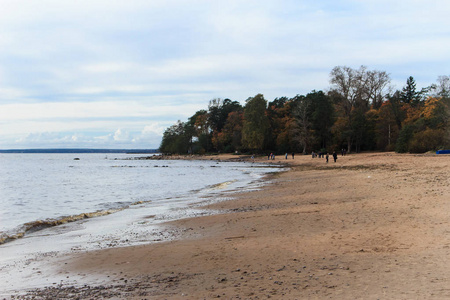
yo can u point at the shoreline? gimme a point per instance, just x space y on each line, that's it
369 226
136 224
33 225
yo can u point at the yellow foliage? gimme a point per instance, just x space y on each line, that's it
412 114
431 104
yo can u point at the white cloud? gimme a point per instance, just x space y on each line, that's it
106 67
81 69
150 135
99 110
154 128
121 135
52 140
11 93
118 139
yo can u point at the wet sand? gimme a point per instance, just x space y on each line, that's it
370 226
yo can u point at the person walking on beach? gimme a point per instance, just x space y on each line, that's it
334 156
326 156
293 154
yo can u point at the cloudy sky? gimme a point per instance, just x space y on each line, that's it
115 74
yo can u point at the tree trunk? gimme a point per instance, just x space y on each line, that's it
349 144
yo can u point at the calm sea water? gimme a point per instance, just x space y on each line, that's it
38 189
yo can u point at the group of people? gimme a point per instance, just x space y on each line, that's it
272 156
326 155
286 155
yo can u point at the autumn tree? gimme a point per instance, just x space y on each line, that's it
348 90
397 108
349 84
375 87
302 113
218 111
442 89
200 124
176 139
288 140
256 123
354 91
284 130
322 117
357 113
387 127
425 127
230 138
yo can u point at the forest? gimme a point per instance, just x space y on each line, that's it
359 112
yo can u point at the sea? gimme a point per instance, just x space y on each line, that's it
41 191
57 203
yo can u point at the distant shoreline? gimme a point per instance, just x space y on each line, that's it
81 150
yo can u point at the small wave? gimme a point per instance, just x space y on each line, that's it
34 226
124 166
213 187
140 202
220 186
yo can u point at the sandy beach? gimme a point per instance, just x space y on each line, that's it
370 226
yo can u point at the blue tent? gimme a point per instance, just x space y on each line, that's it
443 152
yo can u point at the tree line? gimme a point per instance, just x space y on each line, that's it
360 112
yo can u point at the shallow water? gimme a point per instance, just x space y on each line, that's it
130 199
40 190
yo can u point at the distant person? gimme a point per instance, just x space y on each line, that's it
313 154
334 156
285 155
326 156
269 156
293 154
342 151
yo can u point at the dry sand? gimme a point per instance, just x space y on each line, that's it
371 226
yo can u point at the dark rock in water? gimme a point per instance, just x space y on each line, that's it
76 158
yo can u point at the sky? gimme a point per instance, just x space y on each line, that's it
116 74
